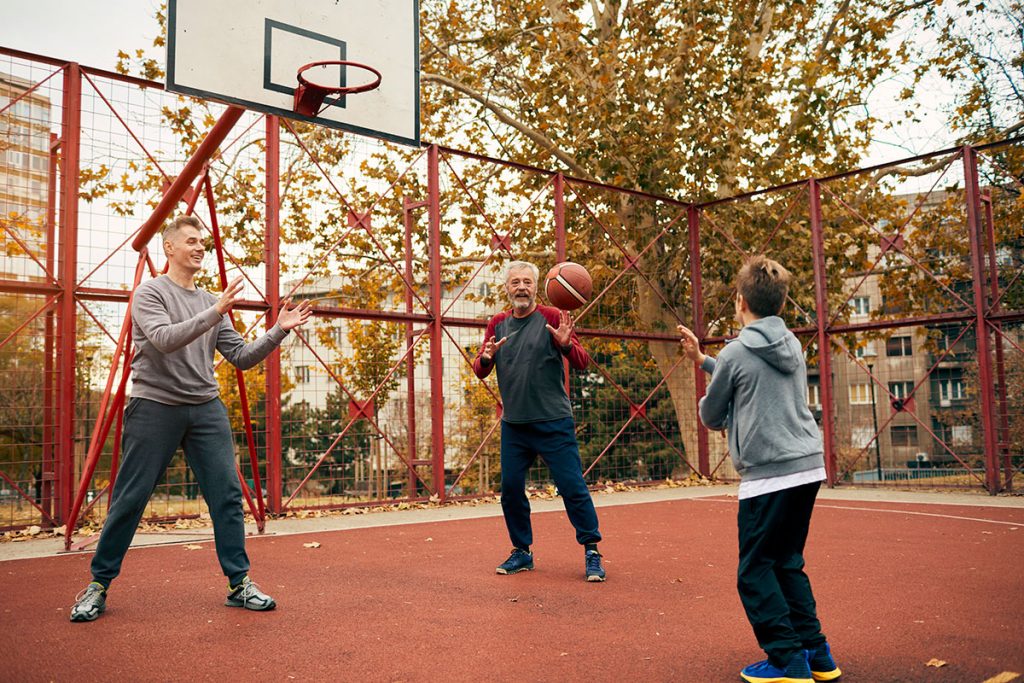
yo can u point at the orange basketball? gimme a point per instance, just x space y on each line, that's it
568 286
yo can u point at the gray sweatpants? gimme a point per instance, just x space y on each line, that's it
152 433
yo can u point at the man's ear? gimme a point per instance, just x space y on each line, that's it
742 303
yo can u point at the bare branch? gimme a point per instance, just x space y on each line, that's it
534 135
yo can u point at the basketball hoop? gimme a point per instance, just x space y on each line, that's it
309 97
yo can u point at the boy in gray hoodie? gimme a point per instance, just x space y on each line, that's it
758 393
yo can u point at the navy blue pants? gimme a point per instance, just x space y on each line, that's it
774 589
555 442
152 433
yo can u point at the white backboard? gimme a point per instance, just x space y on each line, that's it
247 52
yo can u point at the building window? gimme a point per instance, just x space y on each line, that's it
901 389
1004 257
860 394
962 435
950 389
865 350
898 346
860 437
302 374
813 395
903 435
861 306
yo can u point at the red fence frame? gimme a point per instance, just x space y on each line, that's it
63 502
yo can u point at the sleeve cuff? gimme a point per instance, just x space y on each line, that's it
276 334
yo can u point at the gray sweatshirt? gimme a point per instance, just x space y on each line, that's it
758 392
175 331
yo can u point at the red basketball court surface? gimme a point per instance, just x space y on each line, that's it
899 584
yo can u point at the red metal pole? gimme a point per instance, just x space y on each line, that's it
207 148
824 338
48 469
272 369
67 316
408 206
973 199
436 328
259 510
697 296
560 246
1003 441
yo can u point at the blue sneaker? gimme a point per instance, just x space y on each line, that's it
595 572
797 671
823 667
518 561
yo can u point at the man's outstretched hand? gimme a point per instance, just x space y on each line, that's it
562 335
291 317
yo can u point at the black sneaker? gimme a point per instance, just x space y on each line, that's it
90 603
823 667
248 595
518 561
595 572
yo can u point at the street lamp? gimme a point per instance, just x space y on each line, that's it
874 420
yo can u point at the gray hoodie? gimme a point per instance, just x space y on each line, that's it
758 392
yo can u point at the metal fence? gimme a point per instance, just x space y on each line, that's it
907 275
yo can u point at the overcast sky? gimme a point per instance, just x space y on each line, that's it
92 31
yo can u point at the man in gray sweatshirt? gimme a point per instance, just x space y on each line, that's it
175 403
758 393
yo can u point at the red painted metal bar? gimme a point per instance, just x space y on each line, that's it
49 470
1003 439
68 266
207 148
436 340
560 247
409 223
824 336
107 411
697 297
259 510
974 228
272 265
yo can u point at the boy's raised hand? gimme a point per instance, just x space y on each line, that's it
689 344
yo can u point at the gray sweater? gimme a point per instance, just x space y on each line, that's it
758 392
175 331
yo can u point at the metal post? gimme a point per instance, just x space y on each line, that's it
697 296
48 469
436 330
1003 441
874 421
408 206
972 197
560 249
824 338
67 315
271 259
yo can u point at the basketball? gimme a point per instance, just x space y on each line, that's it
568 286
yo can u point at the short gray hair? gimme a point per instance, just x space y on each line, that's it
172 228
521 265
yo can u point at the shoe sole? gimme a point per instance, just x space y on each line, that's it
269 607
79 618
594 578
827 675
505 572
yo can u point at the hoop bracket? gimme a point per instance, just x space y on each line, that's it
309 97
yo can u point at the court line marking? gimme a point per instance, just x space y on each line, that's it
899 512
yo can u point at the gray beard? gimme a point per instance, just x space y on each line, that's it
521 305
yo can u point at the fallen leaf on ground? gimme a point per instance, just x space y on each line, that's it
314 544
1004 677
192 546
935 662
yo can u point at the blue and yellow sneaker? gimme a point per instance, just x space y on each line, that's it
823 667
797 671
